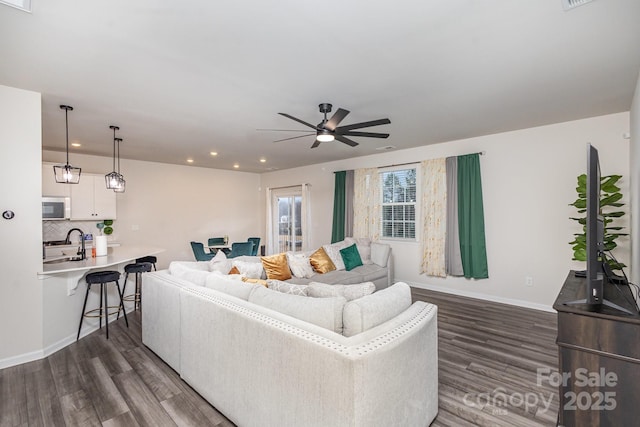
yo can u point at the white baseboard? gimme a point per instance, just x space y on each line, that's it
50 349
516 302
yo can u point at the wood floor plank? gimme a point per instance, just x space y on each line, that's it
144 406
184 413
122 420
78 410
44 405
13 401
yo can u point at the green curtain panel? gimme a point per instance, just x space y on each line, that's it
337 232
473 248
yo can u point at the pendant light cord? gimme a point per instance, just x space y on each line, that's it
66 125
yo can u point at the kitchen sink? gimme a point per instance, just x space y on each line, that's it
61 260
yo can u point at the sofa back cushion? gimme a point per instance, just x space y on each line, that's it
323 312
194 272
349 292
380 253
372 310
236 288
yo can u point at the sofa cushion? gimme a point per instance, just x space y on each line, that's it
190 271
236 288
370 272
380 253
276 266
351 257
323 312
321 261
287 288
364 247
372 310
300 265
349 292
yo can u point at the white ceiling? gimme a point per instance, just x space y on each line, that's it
185 78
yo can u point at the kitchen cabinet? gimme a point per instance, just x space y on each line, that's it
50 188
90 199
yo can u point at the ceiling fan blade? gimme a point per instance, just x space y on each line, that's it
282 130
315 144
343 129
367 134
288 116
346 140
336 119
293 137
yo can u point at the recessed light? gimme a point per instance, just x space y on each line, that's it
214 153
236 166
76 144
263 160
189 160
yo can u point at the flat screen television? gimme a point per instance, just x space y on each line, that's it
598 271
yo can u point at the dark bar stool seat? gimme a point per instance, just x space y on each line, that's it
103 278
149 258
138 268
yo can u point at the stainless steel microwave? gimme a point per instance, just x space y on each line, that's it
56 208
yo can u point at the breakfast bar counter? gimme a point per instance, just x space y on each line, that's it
116 255
62 305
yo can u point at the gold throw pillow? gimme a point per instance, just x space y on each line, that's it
321 262
276 266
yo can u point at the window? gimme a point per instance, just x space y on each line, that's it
398 190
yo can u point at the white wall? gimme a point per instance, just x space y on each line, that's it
528 179
635 182
170 205
21 250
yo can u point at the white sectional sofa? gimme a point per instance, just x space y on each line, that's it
233 343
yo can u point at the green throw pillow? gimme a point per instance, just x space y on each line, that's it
351 257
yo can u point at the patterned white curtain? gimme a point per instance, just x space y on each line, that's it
434 211
366 203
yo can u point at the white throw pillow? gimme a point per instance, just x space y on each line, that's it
372 310
250 270
300 265
287 288
333 251
220 263
349 292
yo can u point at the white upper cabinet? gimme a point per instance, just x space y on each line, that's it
90 199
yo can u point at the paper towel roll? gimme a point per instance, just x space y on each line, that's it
101 245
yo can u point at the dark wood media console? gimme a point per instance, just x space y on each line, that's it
599 358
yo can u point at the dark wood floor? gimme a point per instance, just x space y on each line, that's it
488 354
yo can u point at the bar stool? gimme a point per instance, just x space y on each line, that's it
149 258
103 278
138 268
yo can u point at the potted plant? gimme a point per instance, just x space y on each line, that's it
610 202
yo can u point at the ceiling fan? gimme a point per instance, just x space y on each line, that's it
328 130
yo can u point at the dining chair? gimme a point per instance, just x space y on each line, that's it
199 253
240 248
256 245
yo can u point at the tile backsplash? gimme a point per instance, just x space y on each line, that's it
57 230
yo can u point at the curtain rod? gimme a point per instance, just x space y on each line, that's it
481 153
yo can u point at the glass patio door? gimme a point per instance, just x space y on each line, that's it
287 224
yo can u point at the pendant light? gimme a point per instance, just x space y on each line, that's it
121 182
67 174
112 178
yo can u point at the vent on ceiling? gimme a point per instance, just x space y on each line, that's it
570 4
386 147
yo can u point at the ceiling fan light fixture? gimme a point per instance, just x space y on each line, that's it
325 136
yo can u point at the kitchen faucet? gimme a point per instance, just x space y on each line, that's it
82 251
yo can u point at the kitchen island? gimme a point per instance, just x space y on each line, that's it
62 305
